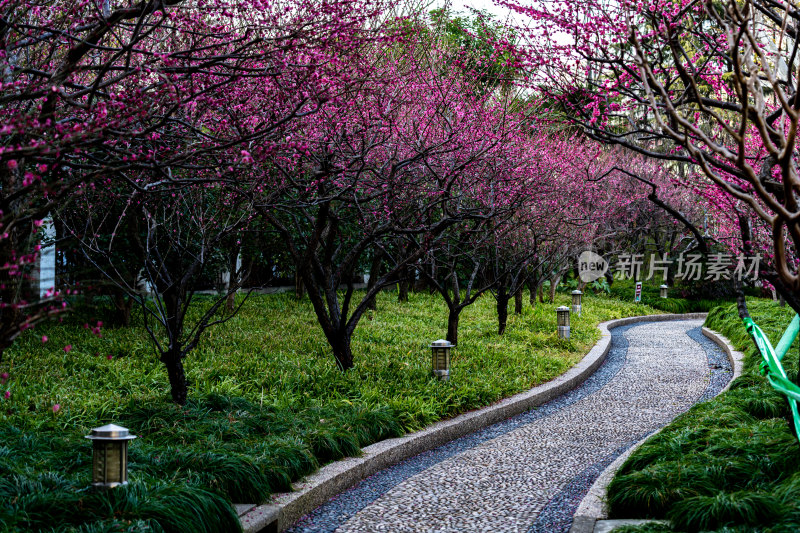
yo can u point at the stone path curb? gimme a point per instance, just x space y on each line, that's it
286 508
734 357
592 509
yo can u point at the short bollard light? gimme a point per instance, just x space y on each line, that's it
664 289
576 302
440 352
562 316
110 456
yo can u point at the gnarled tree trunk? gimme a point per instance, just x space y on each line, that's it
534 286
299 287
177 377
340 342
374 274
502 308
554 281
452 325
402 290
518 301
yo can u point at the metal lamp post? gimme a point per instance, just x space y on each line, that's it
664 289
576 302
562 316
110 456
440 358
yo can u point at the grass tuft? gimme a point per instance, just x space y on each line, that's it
741 508
152 506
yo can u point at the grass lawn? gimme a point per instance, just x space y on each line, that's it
267 404
728 465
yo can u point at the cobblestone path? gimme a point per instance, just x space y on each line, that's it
529 473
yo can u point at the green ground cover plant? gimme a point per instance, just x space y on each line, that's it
728 465
267 405
623 290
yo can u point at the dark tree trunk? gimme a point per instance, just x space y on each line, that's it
172 301
541 293
518 301
452 325
502 309
406 279
299 287
177 377
402 291
342 350
554 281
374 274
532 292
335 331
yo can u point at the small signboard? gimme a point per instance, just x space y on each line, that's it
638 296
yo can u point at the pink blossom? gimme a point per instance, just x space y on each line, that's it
67 348
44 338
56 407
7 394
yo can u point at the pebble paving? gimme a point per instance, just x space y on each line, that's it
527 474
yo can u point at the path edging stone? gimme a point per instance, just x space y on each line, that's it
285 509
593 507
735 357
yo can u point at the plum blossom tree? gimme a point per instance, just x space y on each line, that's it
155 95
178 238
385 171
549 229
662 211
711 85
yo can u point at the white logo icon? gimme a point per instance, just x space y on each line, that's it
591 266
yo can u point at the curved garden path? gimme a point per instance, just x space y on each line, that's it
528 474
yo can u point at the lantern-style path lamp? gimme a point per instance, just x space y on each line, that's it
562 317
664 289
440 358
576 302
110 456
